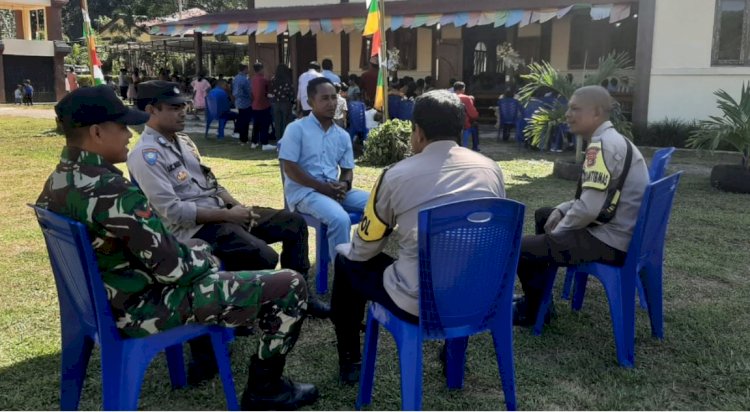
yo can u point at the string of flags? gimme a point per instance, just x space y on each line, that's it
500 18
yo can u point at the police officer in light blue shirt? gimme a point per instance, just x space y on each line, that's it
318 161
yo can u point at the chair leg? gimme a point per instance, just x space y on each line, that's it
176 365
322 257
367 375
76 352
502 338
122 376
221 351
220 132
208 126
653 290
569 275
455 361
579 290
410 360
617 298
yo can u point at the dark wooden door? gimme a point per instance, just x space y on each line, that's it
268 54
304 50
450 61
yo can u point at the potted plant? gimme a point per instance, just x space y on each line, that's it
546 120
733 129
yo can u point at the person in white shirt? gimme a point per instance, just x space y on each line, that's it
303 106
370 121
328 72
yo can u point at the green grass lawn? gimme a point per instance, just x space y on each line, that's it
704 362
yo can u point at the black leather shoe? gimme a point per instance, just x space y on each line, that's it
318 309
283 395
523 317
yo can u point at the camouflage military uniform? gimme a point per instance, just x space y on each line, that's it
154 282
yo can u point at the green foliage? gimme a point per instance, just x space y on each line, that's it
85 80
732 128
388 143
7 24
666 133
79 55
544 76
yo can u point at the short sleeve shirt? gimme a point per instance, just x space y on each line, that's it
320 153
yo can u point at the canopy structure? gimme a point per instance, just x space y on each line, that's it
350 17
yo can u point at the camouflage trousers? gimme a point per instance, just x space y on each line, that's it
276 298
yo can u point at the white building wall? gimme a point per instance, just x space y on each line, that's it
682 79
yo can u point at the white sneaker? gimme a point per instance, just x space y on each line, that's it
267 147
235 135
253 145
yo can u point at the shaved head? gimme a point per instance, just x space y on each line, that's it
589 108
595 96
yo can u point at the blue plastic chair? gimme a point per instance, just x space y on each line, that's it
394 106
86 318
213 110
510 111
531 107
660 162
656 171
357 121
644 260
322 252
468 254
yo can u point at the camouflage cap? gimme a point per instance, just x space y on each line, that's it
87 106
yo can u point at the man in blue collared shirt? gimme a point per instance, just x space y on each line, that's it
243 101
313 150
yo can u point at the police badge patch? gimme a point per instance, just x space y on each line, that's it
150 156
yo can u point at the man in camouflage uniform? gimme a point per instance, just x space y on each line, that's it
153 281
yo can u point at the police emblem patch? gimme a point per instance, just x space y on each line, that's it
182 175
176 91
150 156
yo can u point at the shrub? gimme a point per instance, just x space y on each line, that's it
388 143
666 133
85 80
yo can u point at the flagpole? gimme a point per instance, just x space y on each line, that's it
85 10
383 58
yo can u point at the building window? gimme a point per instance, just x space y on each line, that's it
284 51
403 39
480 58
731 33
591 40
38 25
364 55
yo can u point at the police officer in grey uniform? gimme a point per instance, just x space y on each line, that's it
167 165
440 172
598 224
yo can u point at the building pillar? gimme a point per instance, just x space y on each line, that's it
2 74
252 48
643 61
18 16
345 53
198 45
53 27
26 18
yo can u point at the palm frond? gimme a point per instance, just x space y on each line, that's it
613 65
732 127
543 75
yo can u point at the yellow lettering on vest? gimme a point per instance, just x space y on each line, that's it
595 173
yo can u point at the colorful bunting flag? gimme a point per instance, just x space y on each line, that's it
372 24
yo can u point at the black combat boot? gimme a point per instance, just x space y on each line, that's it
350 361
317 308
202 366
267 390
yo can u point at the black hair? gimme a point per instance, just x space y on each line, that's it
283 74
440 114
242 67
411 89
258 67
74 136
508 93
613 82
312 86
420 82
459 86
327 64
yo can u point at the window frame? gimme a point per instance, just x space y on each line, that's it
744 59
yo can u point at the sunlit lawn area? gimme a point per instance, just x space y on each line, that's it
704 362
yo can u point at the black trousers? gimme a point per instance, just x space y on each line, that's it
506 131
243 123
356 283
261 123
240 249
124 92
540 252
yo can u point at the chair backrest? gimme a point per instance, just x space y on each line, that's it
531 107
660 162
394 106
357 122
468 253
83 301
653 219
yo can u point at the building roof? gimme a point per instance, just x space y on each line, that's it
400 14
